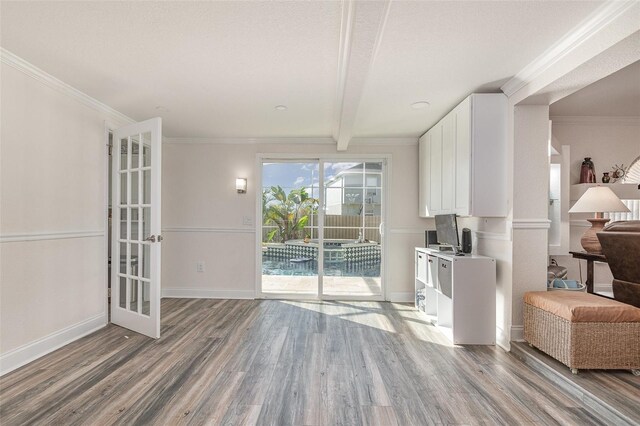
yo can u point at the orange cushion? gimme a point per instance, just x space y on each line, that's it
577 306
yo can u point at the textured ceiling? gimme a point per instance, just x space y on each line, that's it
220 68
617 95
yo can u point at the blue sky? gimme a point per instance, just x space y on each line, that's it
297 175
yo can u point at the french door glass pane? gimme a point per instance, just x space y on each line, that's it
146 260
123 188
133 296
146 149
146 187
124 149
134 187
352 243
146 298
289 227
123 293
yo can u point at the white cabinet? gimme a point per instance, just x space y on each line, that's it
463 160
435 169
459 295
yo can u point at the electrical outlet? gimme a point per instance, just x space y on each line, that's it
200 266
247 220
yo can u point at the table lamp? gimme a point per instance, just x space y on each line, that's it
597 199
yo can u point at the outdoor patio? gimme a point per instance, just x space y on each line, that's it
308 284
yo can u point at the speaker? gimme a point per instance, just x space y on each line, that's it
466 240
430 237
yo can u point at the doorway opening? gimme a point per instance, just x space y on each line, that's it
322 228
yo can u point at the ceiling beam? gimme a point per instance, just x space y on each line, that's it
361 32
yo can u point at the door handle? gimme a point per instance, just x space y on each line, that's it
153 238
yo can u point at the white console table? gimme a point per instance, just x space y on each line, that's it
460 294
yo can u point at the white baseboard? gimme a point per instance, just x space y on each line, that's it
502 340
517 333
205 293
31 351
402 297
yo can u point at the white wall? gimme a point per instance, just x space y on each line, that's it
608 141
52 251
199 192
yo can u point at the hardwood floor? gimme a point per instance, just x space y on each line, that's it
282 363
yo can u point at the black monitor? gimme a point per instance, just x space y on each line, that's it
447 230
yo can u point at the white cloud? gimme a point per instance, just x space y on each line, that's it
298 181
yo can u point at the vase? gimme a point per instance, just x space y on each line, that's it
605 177
587 171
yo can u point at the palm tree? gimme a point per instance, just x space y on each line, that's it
288 212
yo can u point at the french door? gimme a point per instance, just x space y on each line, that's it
322 233
136 224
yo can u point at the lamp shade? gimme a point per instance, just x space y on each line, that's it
598 199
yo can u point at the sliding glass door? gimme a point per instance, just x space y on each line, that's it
352 224
321 233
290 201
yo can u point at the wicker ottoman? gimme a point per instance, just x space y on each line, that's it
583 331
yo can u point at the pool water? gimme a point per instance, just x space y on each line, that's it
273 266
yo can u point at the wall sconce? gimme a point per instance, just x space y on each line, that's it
241 185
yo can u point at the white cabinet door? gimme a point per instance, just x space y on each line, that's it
462 116
423 171
448 163
435 170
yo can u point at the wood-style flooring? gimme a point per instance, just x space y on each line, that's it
273 362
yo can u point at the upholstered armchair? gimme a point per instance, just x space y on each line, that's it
621 245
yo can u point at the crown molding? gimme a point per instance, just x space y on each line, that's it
42 76
595 120
394 141
594 23
253 141
386 141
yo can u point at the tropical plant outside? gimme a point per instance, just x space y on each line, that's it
288 212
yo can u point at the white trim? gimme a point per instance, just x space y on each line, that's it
25 354
594 23
407 231
502 340
205 293
386 141
402 296
344 51
253 141
484 235
42 76
517 333
210 229
583 223
595 120
41 236
530 224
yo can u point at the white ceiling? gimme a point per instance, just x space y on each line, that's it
220 68
617 95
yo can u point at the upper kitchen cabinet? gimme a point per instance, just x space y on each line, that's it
463 160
